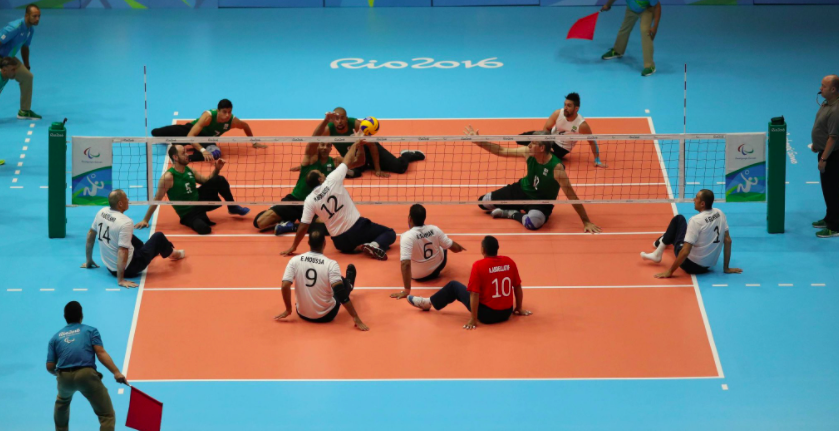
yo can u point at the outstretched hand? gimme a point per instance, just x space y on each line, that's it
469 131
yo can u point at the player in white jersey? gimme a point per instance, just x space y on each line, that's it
122 253
568 121
423 250
319 287
331 202
698 242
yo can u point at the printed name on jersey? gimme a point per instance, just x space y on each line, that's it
712 218
428 234
495 269
108 217
312 259
322 193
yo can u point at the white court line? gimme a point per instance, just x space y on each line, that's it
45 187
19 164
135 187
32 126
477 379
14 180
416 186
264 235
23 156
25 148
80 290
753 285
437 119
17 172
811 182
142 286
817 284
47 290
15 187
29 133
719 285
112 290
14 290
26 140
784 285
223 289
698 294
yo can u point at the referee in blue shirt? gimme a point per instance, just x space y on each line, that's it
70 358
17 36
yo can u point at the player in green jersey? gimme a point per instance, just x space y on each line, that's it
178 183
336 123
545 177
212 123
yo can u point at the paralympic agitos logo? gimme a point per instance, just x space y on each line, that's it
89 153
745 149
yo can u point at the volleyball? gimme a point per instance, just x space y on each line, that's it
370 126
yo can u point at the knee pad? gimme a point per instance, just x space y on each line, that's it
533 220
484 198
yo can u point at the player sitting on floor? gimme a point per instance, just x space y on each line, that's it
331 202
568 121
696 242
545 177
489 296
282 217
212 123
423 250
318 286
125 255
179 184
336 123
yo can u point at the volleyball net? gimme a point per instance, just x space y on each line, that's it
456 170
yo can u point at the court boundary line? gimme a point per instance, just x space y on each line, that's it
712 344
142 287
245 289
418 119
463 379
270 235
695 284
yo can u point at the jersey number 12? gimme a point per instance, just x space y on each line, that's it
335 207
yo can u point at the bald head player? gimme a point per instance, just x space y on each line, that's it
544 179
336 123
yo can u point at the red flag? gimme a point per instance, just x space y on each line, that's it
144 412
583 28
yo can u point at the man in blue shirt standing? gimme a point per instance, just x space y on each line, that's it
16 36
70 357
648 11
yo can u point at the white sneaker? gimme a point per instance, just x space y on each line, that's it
177 255
418 301
651 256
374 252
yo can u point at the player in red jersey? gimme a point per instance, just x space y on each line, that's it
489 296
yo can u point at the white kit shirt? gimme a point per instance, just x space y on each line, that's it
113 230
569 128
331 202
313 275
706 232
423 246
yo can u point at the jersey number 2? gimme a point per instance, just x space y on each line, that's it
536 182
335 207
